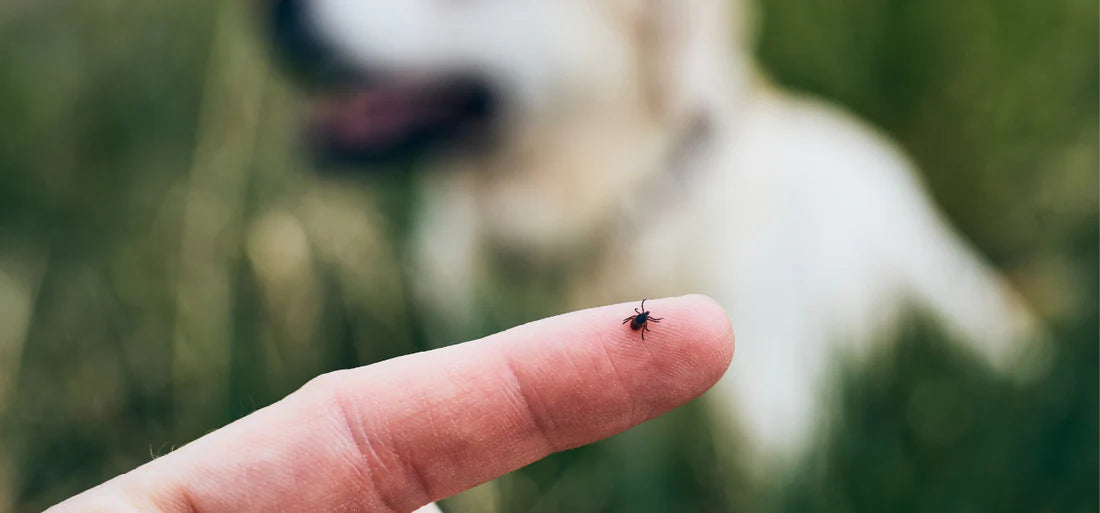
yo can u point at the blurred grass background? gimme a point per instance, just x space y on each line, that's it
169 263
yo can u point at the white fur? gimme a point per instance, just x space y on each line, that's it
811 229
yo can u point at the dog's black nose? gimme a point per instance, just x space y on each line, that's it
303 48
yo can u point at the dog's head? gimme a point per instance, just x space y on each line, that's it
402 78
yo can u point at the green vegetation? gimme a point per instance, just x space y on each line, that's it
168 262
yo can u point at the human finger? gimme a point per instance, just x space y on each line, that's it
399 434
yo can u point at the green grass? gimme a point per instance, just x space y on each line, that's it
147 151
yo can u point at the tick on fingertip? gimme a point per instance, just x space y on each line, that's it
641 320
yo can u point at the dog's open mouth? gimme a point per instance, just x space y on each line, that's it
397 119
376 115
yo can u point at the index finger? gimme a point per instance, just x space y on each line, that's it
398 434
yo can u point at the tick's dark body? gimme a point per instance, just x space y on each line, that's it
641 320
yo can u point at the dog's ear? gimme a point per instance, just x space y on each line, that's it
691 52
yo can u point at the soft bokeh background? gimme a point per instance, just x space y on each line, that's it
169 262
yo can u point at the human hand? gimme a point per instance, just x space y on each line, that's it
399 434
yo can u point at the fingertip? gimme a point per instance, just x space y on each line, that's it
716 330
682 356
706 343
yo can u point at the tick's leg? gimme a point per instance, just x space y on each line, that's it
646 326
656 319
643 304
643 335
627 319
637 312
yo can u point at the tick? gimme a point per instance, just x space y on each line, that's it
641 320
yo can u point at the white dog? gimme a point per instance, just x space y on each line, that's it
635 140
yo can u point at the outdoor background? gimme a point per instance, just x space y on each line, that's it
169 262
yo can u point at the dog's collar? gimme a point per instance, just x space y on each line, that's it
677 169
695 135
665 186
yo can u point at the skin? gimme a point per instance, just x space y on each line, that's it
399 434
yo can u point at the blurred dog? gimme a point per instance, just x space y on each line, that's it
635 140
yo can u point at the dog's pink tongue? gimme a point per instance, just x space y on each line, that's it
364 117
